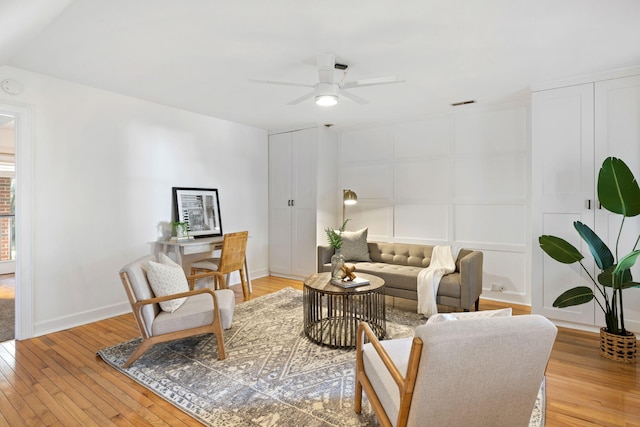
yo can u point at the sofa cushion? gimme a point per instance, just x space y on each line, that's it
354 245
401 254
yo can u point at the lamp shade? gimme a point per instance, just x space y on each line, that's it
349 197
326 100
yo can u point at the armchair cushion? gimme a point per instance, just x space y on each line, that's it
354 245
167 280
380 378
446 317
197 310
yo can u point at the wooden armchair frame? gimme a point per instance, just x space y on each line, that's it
150 340
405 384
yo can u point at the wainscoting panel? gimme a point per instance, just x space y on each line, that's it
506 270
369 182
423 180
377 215
434 138
367 145
491 179
461 179
493 224
492 132
421 221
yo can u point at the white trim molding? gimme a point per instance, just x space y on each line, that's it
24 237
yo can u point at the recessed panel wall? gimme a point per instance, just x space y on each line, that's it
460 179
421 221
367 145
376 215
495 224
423 139
491 178
492 132
423 180
507 271
372 182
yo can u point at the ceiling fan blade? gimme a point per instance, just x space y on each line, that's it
272 82
302 98
354 98
372 82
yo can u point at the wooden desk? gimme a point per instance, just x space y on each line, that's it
198 246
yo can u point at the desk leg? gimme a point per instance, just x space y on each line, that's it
246 275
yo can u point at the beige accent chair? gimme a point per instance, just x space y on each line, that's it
232 258
204 311
473 372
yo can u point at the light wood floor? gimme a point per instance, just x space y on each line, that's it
58 380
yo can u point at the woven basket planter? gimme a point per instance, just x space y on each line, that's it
617 347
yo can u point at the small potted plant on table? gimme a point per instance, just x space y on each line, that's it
337 260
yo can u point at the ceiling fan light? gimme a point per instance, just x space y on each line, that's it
326 100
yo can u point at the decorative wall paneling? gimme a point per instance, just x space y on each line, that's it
460 179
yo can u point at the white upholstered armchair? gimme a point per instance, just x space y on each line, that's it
458 370
189 311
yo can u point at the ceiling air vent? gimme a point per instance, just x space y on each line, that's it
457 104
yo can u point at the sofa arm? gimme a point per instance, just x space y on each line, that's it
324 256
470 279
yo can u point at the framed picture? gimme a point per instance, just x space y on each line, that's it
200 209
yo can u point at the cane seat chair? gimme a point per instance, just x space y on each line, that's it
232 258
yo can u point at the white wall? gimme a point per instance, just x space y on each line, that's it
103 168
459 179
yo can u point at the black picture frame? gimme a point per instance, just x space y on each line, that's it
200 209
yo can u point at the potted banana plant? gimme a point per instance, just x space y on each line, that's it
619 193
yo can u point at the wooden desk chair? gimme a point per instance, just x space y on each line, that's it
232 258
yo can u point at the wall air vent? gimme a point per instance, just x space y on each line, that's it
457 104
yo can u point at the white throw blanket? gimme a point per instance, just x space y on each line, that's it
443 261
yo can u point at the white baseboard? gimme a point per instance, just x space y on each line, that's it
79 319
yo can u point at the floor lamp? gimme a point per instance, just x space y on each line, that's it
348 198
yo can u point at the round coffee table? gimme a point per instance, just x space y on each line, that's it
332 313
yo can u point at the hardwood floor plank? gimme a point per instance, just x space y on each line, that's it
57 379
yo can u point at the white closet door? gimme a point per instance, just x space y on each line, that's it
280 236
618 134
304 156
562 185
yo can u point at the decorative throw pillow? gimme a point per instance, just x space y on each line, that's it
165 260
354 245
446 317
167 280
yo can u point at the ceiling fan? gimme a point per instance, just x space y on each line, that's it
327 91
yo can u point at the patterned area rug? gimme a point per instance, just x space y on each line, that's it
273 375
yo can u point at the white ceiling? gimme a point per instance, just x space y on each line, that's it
199 55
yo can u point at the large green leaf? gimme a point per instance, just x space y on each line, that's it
628 285
606 277
618 190
574 296
559 249
626 262
601 253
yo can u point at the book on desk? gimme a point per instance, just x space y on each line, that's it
358 281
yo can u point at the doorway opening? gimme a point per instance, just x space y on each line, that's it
7 228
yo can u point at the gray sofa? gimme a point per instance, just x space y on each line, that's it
399 264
